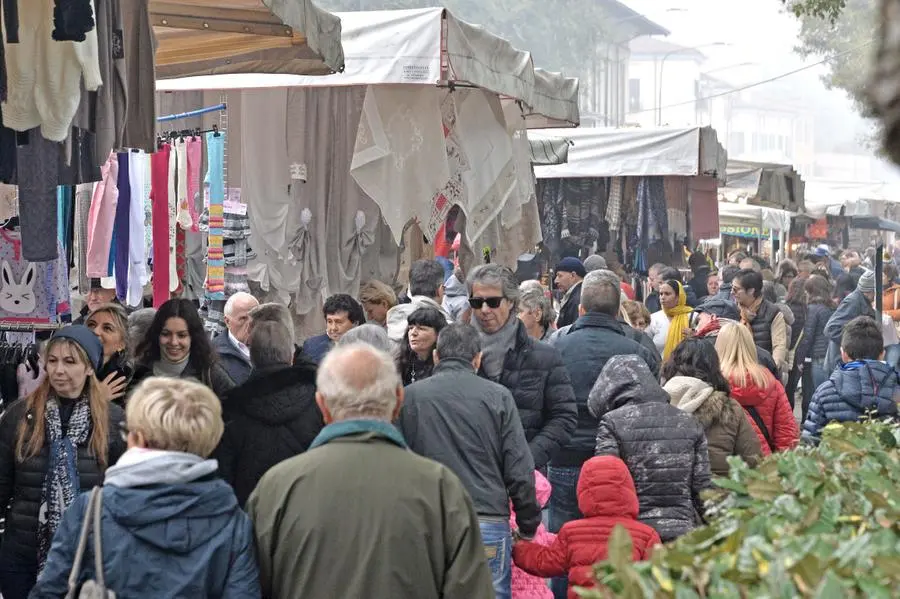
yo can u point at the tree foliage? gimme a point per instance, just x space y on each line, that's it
844 32
814 522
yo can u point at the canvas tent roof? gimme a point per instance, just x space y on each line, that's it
210 37
425 46
548 149
763 184
607 152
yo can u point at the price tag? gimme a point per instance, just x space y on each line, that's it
298 172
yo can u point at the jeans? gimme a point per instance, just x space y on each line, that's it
563 508
814 374
497 539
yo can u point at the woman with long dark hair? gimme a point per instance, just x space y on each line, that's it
177 346
417 352
813 345
54 444
695 383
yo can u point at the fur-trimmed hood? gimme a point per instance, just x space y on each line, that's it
694 396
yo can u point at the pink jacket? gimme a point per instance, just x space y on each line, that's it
526 586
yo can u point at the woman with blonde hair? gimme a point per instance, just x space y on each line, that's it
109 323
54 444
171 527
760 394
376 299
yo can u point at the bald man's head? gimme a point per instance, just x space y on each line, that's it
237 315
358 381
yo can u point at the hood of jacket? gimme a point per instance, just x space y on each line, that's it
750 394
169 499
606 489
868 385
624 379
453 287
275 395
694 396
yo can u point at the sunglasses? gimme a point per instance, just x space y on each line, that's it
478 302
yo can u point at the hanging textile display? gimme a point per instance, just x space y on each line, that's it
215 179
123 228
399 158
137 225
32 292
159 195
101 219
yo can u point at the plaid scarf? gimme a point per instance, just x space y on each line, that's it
61 483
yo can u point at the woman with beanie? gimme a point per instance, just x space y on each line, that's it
176 346
667 327
54 444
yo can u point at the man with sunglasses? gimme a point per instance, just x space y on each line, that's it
532 371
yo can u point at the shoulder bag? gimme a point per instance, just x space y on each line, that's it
91 589
754 414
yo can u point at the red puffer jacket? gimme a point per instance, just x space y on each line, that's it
771 403
606 497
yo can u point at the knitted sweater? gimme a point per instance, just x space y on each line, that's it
44 76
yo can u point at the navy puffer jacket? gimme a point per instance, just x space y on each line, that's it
864 387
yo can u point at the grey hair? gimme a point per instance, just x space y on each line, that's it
533 298
273 312
425 278
494 275
372 334
358 381
139 323
458 341
601 292
234 299
271 344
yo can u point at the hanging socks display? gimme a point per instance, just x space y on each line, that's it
215 179
159 200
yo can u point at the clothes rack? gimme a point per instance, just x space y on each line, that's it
186 115
27 327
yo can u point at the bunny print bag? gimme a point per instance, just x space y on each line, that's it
31 292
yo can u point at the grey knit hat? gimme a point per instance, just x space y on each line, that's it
866 282
594 262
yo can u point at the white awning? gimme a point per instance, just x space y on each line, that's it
547 150
763 184
213 37
405 47
603 152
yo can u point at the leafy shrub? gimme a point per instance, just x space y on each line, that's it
814 522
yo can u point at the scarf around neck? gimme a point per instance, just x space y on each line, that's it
164 367
61 482
494 346
679 320
748 314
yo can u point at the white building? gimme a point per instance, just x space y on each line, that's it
663 83
604 77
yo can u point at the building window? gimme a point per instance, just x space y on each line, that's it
634 95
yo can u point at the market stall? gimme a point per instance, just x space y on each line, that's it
639 195
340 172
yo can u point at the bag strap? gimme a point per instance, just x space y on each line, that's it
98 541
75 574
754 414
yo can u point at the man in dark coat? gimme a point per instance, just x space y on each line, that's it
471 425
231 346
272 416
663 446
532 371
569 275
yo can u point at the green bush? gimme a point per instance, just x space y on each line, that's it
814 522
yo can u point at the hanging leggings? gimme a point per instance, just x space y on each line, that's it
159 202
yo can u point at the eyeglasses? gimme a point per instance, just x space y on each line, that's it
478 302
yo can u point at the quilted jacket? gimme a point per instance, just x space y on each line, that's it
664 447
771 403
607 498
864 387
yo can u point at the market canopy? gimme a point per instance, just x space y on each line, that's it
635 152
214 37
763 184
874 223
548 149
427 46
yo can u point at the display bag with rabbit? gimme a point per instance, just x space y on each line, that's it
31 292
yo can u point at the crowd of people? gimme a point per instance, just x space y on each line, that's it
471 437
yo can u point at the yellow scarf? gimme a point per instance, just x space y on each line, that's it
679 320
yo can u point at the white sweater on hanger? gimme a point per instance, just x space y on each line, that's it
44 76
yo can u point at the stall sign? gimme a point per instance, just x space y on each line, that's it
742 231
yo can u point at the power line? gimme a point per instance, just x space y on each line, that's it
758 83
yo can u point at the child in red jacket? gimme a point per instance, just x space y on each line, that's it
606 497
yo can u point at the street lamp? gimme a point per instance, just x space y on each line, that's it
662 65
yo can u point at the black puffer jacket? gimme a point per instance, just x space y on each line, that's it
664 447
268 419
21 483
119 364
585 349
534 373
814 343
